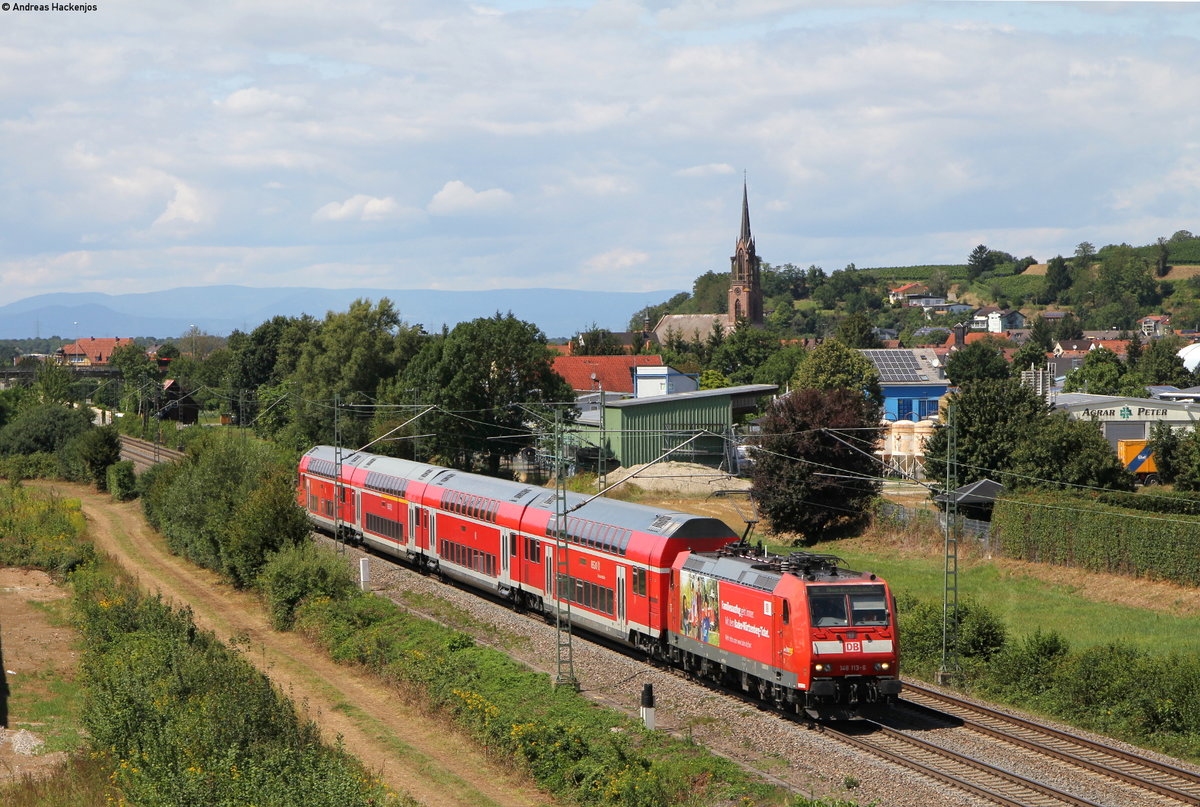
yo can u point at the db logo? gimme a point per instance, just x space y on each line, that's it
852 647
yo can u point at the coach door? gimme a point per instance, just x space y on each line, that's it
548 559
414 521
508 551
620 615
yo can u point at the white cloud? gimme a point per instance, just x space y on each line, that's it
706 170
255 101
458 197
615 260
186 207
361 207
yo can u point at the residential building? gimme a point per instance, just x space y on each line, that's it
912 381
1155 325
90 352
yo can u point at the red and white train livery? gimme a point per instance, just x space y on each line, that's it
799 631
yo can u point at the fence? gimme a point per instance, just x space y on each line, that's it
980 531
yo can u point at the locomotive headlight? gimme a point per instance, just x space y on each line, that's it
822 668
882 666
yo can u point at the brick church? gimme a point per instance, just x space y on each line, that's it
745 292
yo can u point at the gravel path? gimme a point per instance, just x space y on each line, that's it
805 760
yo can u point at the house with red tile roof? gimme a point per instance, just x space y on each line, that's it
613 373
90 352
1155 325
901 293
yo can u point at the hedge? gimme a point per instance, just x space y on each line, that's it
1067 530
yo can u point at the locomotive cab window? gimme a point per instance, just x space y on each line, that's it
843 606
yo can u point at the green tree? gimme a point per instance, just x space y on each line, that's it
269 353
1165 444
832 365
976 361
742 352
992 417
710 294
713 379
86 456
1124 278
489 376
42 428
1159 363
168 350
139 378
809 478
52 384
1068 328
347 358
1085 256
780 368
1058 277
980 261
1029 354
857 332
596 341
1103 373
1062 451
1161 257
646 318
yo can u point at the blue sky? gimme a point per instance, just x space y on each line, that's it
587 145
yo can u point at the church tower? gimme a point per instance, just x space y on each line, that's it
745 286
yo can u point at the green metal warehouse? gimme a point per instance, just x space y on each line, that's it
639 430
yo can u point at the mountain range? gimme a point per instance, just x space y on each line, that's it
219 310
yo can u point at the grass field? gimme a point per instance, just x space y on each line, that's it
1028 598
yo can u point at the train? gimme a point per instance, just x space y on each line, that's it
800 632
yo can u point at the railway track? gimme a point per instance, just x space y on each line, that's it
957 770
1163 779
145 454
1159 783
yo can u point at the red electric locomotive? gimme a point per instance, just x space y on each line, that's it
799 631
649 578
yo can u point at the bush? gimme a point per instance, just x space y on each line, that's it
86 456
190 722
192 505
122 482
16 467
41 531
43 429
301 572
581 754
267 521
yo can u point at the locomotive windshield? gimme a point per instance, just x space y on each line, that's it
847 606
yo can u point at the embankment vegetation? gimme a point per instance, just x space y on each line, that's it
174 716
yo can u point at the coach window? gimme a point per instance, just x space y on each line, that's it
512 544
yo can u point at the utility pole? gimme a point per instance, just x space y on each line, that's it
337 478
602 467
950 666
564 582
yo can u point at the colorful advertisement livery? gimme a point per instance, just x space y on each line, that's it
726 614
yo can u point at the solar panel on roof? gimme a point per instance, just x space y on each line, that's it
896 365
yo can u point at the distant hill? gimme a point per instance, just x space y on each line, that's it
222 309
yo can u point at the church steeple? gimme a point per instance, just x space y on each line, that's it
749 239
745 289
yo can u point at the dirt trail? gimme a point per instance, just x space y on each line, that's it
407 750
